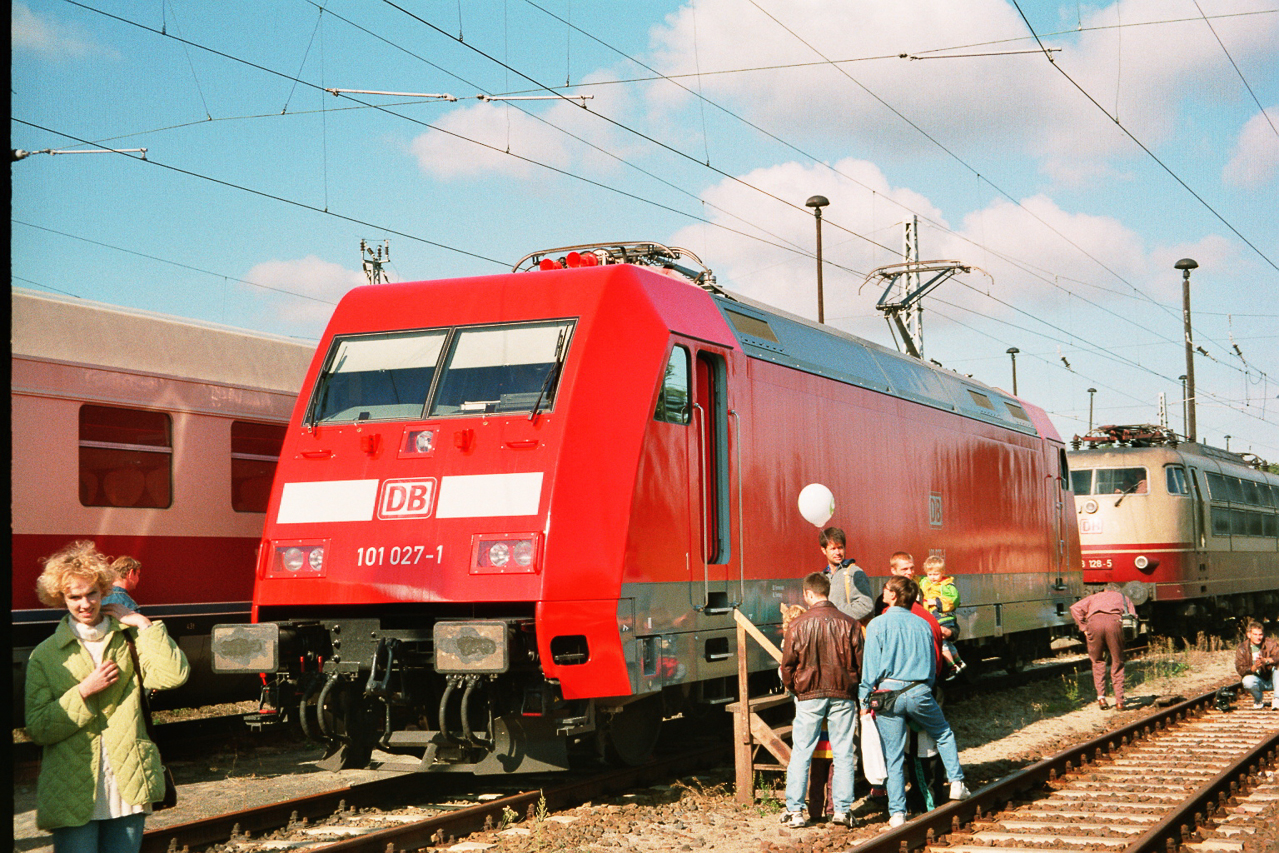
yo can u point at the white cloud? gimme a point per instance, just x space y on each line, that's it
45 35
765 251
320 283
1028 265
451 152
1255 160
977 107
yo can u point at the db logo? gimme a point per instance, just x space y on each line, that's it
934 510
406 498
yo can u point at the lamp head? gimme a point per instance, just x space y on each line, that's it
1186 264
1013 350
817 201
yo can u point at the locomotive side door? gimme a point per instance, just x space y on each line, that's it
708 472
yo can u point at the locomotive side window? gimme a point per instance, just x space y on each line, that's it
503 369
126 458
1217 486
255 450
672 400
378 377
1220 521
1081 481
1176 478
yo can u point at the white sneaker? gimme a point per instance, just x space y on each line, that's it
897 820
959 791
794 819
1258 705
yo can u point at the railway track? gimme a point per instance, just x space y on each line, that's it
408 811
1170 779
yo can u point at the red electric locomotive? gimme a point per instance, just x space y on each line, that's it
514 513
1190 530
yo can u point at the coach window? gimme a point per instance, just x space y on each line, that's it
126 457
1176 476
672 399
255 450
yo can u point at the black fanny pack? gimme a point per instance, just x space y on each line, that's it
885 701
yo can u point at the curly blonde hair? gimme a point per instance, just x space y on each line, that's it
79 560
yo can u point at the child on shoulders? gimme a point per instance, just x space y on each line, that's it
941 596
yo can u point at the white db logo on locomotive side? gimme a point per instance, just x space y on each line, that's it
406 498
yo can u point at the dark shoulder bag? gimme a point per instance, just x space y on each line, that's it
885 701
170 798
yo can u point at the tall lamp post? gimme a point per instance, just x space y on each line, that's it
1186 265
1012 351
1091 391
817 202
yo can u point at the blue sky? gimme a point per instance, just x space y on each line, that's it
1070 186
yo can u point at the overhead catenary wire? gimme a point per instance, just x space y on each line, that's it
782 243
1151 154
372 108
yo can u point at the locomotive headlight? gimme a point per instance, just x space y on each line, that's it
1141 562
524 551
504 553
1090 506
298 559
292 558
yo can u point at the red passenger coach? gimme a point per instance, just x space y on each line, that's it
154 437
514 514
1191 531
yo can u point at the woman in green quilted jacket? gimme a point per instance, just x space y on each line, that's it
100 772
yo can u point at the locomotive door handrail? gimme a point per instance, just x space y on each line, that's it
703 498
741 487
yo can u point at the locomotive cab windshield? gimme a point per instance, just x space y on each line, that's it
398 376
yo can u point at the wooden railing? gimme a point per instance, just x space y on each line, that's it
750 731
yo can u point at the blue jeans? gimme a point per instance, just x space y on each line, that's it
841 722
917 704
118 835
1258 684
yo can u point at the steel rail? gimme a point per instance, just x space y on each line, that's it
951 817
434 830
1191 815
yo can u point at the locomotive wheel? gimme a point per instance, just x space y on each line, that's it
632 732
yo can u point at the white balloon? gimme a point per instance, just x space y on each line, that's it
816 504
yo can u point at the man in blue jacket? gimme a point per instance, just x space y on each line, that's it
899 655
